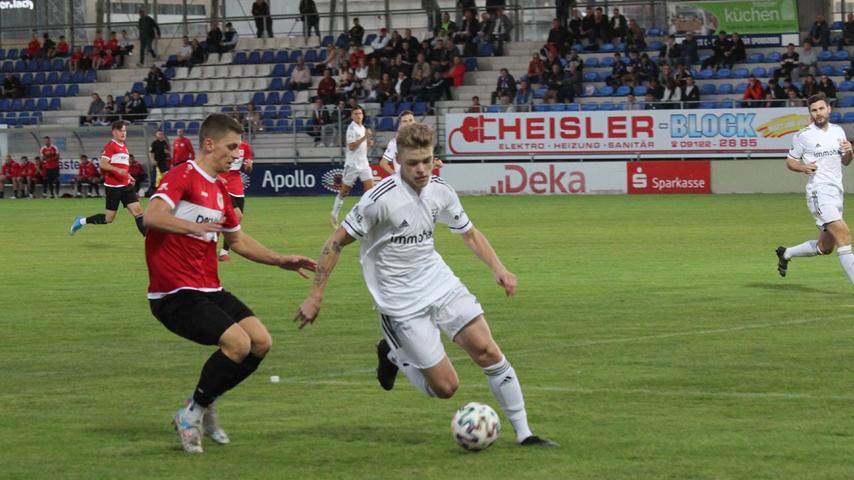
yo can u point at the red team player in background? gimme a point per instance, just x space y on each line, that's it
184 219
50 156
182 149
234 183
118 184
88 174
10 172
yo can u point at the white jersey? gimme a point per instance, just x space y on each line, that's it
391 155
402 269
357 158
820 146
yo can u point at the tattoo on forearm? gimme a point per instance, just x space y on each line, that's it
320 275
337 247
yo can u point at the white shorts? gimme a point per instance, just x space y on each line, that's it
352 173
825 204
415 338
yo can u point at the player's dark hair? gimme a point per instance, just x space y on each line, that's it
118 125
405 113
415 136
218 125
818 97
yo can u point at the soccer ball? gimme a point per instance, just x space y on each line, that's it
475 426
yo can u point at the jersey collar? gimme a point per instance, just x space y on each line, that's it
202 172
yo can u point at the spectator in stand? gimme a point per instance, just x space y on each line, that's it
620 74
135 108
475 106
536 69
100 59
99 43
820 32
524 97
656 88
213 42
110 110
62 48
252 119
402 87
826 86
505 84
575 26
375 69
11 173
379 43
418 83
467 34
505 104
646 70
635 40
847 37
600 29
48 46
720 51
501 31
182 148
229 39
263 20
650 102
437 87
632 103
300 77
793 99
681 74
665 74
34 48
356 34
807 63
776 94
199 56
86 174
148 30
788 85
738 53
184 54
137 172
156 82
456 75
356 55
562 8
810 87
125 48
559 39
670 52
618 26
310 18
361 71
672 95
12 87
754 95
440 60
319 118
28 173
554 80
484 33
587 32
689 50
113 46
385 88
326 88
572 84
448 25
94 114
788 62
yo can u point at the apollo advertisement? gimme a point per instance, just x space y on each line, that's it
745 17
622 134
564 178
289 179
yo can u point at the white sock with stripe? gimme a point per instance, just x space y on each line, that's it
413 374
507 390
846 259
806 249
336 207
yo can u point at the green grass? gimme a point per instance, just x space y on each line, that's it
652 334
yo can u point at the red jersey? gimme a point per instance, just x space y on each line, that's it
62 47
10 170
77 56
182 150
117 155
113 45
87 170
98 44
33 48
234 182
179 262
50 155
136 169
28 170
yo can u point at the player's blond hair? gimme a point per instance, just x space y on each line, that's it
415 136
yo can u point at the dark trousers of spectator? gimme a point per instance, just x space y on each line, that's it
263 24
92 185
309 22
712 62
498 43
146 45
52 180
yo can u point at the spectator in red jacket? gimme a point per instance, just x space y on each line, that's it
754 94
87 173
34 48
536 69
28 173
10 172
457 73
62 47
98 43
182 149
326 88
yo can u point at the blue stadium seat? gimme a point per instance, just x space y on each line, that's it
169 73
837 25
708 104
740 73
846 102
607 62
420 108
708 89
471 64
825 55
706 74
654 32
322 56
148 100
55 104
36 91
493 109
591 62
725 104
725 88
759 72
254 58
87 50
370 38
740 88
841 55
271 112
288 97
310 56
285 111
342 41
239 58
60 90
848 117
623 90
655 46
24 118
52 78
276 84
845 86
91 76
29 104
283 126
273 98
4 105
138 87
65 77
299 125
193 128
756 58
289 70
386 125
12 54
2 54
389 109
640 91
294 57
835 117
542 107
269 124
403 106
723 73
258 98
774 57
607 106
27 78
327 41
607 47
278 70
76 77
160 101
180 124
20 66
267 56
201 100
826 70
590 107
486 50
45 65
173 100
42 104
187 100
8 66
591 77
556 107
839 70
47 91
605 91
17 105
167 127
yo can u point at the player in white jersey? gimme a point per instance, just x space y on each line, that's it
415 292
388 162
356 164
820 150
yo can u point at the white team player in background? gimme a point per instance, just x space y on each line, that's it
415 293
819 150
388 162
356 164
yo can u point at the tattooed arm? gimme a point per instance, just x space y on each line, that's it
310 307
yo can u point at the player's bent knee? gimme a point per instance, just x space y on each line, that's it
235 344
487 355
445 389
261 346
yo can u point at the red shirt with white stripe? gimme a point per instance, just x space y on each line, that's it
50 155
232 176
188 262
182 150
117 154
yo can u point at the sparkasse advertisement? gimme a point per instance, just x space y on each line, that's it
693 176
624 134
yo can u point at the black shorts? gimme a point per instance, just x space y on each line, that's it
237 202
125 195
199 316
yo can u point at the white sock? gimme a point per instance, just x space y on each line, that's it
846 259
336 207
507 390
193 413
222 252
413 374
806 249
83 221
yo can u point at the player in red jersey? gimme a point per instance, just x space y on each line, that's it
184 219
88 174
182 149
28 172
50 156
118 183
10 172
235 186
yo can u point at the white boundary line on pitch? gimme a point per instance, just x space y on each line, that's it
555 346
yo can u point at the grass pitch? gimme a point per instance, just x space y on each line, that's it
652 335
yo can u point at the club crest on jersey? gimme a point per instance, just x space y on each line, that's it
220 202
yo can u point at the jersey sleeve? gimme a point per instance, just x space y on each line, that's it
352 135
108 151
173 187
797 150
362 218
452 214
247 152
390 152
232 222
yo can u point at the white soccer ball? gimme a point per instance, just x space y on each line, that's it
475 426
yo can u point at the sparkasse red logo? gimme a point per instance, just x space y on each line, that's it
669 177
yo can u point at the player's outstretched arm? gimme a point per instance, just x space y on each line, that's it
310 307
247 247
800 167
481 247
159 216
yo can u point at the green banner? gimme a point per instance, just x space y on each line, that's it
704 18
